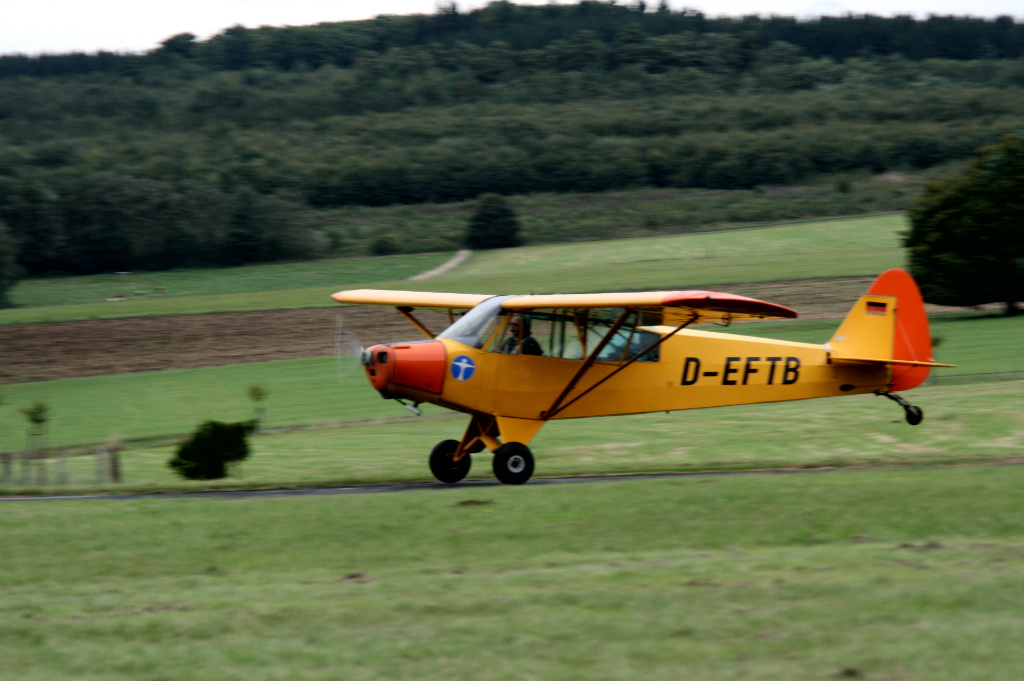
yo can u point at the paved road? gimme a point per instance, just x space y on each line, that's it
441 487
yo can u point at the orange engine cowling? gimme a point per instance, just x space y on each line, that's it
418 366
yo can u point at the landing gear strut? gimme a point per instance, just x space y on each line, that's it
913 413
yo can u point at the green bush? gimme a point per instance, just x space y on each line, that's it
493 225
385 245
214 445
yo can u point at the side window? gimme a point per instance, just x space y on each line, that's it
644 339
571 334
524 334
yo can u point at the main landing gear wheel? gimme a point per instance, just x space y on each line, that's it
513 463
442 465
914 414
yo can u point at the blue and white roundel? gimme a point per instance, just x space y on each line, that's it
462 368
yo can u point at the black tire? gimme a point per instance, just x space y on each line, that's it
914 415
442 466
513 463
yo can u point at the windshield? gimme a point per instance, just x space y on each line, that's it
477 325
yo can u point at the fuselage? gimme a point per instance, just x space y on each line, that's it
692 369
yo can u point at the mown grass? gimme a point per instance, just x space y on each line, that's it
101 408
901 573
964 423
849 247
303 284
864 246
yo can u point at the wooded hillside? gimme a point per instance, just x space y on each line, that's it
203 153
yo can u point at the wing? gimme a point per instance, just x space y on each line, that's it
405 301
669 308
369 296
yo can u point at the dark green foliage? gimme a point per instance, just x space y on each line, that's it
103 222
966 239
10 271
585 35
215 445
493 225
232 150
37 415
385 245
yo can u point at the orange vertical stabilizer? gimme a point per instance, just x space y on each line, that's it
912 340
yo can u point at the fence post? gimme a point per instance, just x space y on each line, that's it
101 468
114 462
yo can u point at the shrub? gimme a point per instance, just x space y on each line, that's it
385 245
493 225
214 445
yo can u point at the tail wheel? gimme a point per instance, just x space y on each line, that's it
443 465
513 463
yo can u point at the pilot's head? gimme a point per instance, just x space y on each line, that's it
518 324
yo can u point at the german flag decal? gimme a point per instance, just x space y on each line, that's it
876 308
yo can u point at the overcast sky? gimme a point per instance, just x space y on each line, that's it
58 26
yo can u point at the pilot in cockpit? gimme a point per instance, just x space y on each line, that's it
519 341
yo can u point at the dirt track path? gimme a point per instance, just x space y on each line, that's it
40 352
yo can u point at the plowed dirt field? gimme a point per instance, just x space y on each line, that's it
42 352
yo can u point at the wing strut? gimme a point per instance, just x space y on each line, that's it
558 405
406 312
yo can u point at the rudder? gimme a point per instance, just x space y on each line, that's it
888 325
912 340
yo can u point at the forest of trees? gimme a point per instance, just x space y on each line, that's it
539 31
221 152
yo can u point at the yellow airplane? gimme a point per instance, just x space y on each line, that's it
515 362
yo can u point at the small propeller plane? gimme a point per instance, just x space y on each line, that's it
514 362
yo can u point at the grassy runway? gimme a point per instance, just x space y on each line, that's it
887 574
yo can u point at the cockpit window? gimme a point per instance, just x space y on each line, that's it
564 333
477 325
573 334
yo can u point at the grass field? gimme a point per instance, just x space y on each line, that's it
863 246
257 287
912 570
913 574
965 423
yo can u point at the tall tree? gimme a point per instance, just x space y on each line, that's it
966 239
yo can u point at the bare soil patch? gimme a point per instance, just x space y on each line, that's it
43 352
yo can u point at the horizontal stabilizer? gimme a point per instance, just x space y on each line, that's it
899 362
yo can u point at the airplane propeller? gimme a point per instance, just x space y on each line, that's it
350 352
353 355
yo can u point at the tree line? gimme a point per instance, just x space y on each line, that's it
543 30
104 222
176 159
